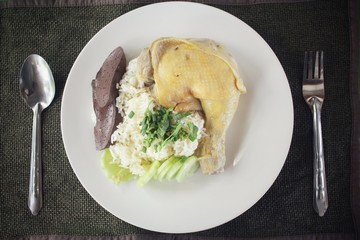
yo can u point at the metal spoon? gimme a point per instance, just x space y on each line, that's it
37 88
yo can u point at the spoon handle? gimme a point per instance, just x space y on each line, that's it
35 200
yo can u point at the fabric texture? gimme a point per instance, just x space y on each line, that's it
354 88
189 237
60 3
59 34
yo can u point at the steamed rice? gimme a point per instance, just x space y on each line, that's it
127 141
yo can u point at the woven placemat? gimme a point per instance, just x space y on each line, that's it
60 33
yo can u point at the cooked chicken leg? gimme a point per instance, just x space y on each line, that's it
196 75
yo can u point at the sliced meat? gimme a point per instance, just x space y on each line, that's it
104 97
109 74
106 124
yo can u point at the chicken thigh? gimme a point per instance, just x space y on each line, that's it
196 75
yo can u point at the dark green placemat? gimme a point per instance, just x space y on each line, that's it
59 34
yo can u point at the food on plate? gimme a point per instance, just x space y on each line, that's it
104 96
149 134
173 106
195 75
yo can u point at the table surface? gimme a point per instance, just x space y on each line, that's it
58 30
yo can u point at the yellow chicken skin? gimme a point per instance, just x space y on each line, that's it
196 75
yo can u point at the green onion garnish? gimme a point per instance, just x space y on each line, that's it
163 124
131 114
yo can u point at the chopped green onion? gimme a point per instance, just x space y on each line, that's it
131 114
193 131
164 124
181 115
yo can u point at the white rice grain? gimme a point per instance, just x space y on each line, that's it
127 140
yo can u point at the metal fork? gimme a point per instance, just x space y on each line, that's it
313 91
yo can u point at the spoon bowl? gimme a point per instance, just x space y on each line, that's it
37 84
37 88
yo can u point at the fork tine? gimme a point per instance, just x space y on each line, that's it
305 66
310 65
316 70
321 65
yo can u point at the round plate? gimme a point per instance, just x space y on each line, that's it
258 139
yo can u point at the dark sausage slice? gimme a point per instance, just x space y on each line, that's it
106 125
109 74
104 97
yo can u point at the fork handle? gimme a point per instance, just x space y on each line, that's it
320 189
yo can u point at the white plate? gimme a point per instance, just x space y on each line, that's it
258 139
